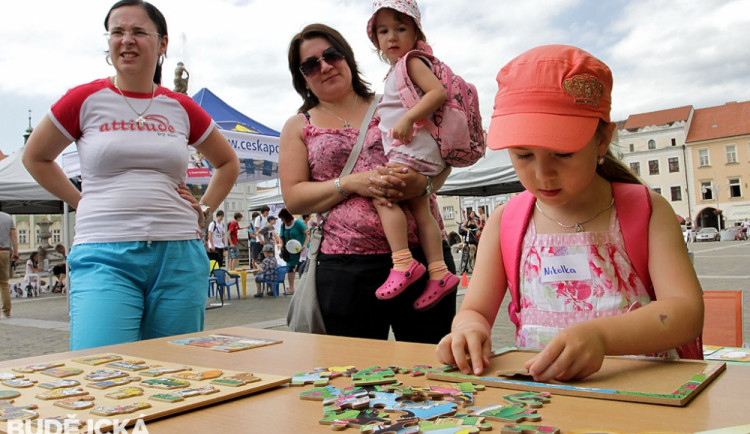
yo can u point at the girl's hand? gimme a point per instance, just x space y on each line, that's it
402 132
573 354
468 348
186 194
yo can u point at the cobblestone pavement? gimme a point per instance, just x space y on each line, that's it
41 325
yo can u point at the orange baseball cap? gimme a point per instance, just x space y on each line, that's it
550 97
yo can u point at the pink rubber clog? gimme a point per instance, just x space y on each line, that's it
398 281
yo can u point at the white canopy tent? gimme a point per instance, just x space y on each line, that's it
19 191
491 175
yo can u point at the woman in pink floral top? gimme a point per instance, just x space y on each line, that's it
580 295
355 257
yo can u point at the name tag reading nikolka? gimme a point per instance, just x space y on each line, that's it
570 267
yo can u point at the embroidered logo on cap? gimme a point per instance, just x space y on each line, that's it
585 89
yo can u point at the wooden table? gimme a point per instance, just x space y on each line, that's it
722 404
243 272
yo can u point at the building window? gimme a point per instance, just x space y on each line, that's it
631 147
653 167
735 189
23 236
656 189
703 160
676 192
674 141
731 154
652 144
56 236
447 213
674 164
636 168
707 190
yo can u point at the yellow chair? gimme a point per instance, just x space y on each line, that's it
722 321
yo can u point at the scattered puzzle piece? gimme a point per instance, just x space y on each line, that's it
374 375
418 370
76 403
106 384
104 410
426 410
236 380
427 426
62 393
337 371
354 418
465 420
505 413
125 392
513 428
529 399
314 378
402 426
98 359
325 394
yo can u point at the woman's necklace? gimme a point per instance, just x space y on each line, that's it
345 121
579 225
140 119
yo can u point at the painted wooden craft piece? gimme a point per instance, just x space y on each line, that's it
312 377
401 426
128 365
98 359
236 380
156 371
8 411
522 373
59 384
326 394
76 402
506 413
514 428
428 426
54 422
337 371
9 394
164 383
108 411
37 367
105 374
464 420
62 393
426 410
419 370
354 418
19 383
529 399
198 376
179 395
61 372
106 384
125 392
9 376
374 375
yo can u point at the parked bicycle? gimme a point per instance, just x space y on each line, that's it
467 256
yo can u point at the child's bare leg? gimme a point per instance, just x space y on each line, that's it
429 236
393 220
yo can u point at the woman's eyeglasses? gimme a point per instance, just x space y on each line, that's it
117 35
311 65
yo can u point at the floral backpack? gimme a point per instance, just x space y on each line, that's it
633 205
457 125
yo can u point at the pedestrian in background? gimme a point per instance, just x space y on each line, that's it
8 253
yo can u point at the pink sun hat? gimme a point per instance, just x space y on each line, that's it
551 97
408 7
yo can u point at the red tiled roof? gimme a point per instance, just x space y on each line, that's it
661 117
728 120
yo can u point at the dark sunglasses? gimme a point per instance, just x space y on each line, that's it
311 65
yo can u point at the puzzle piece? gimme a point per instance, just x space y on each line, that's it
37 367
313 377
76 403
529 399
506 413
514 428
426 410
112 383
338 371
19 383
9 394
105 374
129 365
62 393
236 380
354 418
9 376
98 359
104 410
427 426
165 383
385 400
59 384
465 420
419 370
61 372
22 412
374 375
179 395
156 371
125 392
325 394
402 426
198 376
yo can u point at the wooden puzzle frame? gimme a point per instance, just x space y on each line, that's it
646 380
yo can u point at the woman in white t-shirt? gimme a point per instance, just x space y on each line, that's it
138 266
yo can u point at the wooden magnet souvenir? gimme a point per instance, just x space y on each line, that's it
179 395
165 383
204 375
8 411
59 384
62 393
61 372
125 392
128 365
98 359
104 374
236 380
106 384
104 410
46 424
9 376
19 383
9 394
38 367
156 371
76 403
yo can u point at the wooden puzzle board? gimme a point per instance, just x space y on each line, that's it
158 409
647 380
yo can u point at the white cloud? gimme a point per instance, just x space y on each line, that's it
663 54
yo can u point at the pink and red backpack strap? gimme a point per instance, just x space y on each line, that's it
408 92
516 215
633 205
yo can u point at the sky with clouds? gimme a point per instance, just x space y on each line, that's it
663 54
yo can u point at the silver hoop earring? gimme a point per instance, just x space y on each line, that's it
601 160
161 59
108 59
309 94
